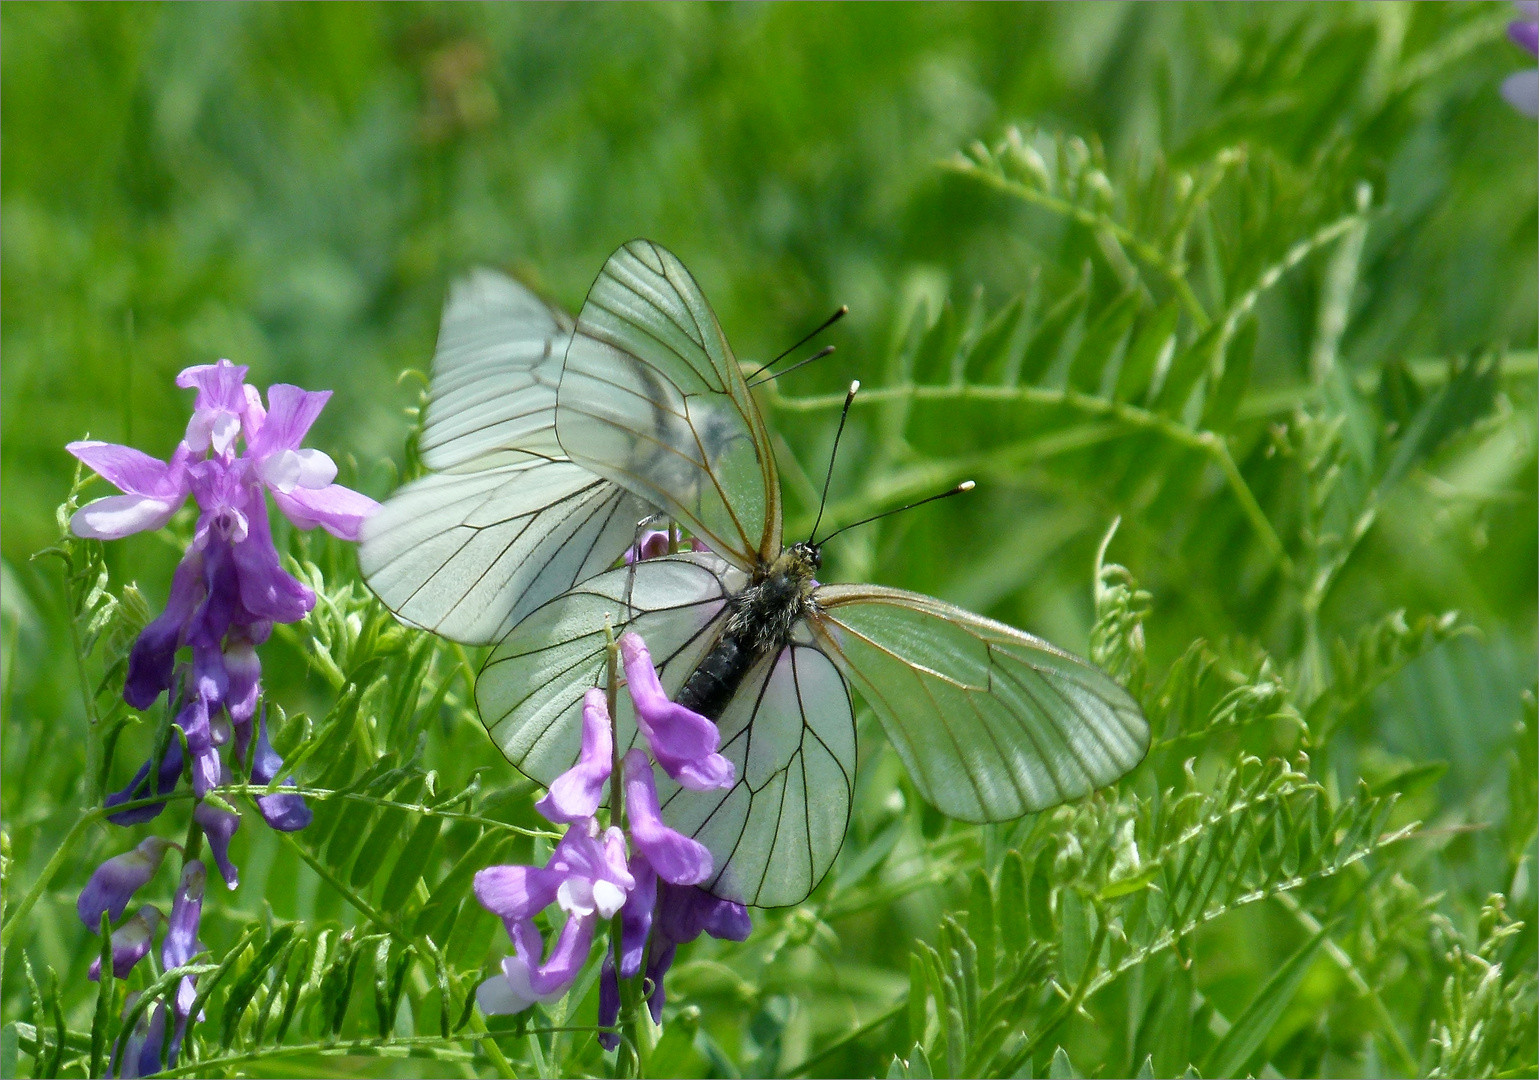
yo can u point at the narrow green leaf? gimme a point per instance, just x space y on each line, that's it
1062 1068
1011 911
1146 1070
102 1020
1039 890
989 358
1143 355
1188 365
1224 399
1100 341
980 926
1044 343
919 1063
675 1054
918 996
1074 935
410 863
1229 1056
386 828
436 915
245 987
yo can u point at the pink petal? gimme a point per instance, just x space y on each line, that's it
219 386
674 856
340 511
516 892
577 792
290 413
683 742
133 470
118 516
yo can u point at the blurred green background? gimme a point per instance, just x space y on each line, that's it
293 186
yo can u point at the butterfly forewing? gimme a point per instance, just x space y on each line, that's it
991 722
652 398
507 522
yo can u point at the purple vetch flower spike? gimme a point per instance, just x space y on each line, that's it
683 742
524 980
576 793
608 1004
220 409
153 490
181 942
117 879
286 813
220 825
166 777
206 765
130 943
300 479
674 856
635 925
594 876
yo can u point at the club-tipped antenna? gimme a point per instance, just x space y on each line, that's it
844 309
824 351
965 485
849 399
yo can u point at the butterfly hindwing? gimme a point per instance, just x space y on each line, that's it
652 398
790 733
991 722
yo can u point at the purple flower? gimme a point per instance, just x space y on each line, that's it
130 943
587 878
576 793
286 813
301 480
223 405
674 856
166 776
683 742
654 545
1521 89
154 490
181 942
117 879
220 825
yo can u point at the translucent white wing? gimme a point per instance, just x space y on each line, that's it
789 730
507 522
652 398
529 693
495 373
991 722
469 554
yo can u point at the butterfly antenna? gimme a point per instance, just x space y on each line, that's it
849 399
844 309
800 363
965 485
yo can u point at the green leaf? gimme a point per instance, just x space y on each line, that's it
1250 1030
1412 780
1469 394
1062 1068
989 358
1188 365
438 913
1013 916
1042 347
675 1053
1101 340
1143 355
245 987
1224 399
980 926
410 863
388 826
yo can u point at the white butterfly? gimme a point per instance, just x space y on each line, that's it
505 522
991 722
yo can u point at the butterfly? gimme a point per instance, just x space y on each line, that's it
990 722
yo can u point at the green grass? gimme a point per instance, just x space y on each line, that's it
1258 280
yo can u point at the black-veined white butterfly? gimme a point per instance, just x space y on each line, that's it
991 722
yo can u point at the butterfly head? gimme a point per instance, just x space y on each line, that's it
807 555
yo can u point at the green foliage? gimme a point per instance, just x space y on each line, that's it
1254 281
